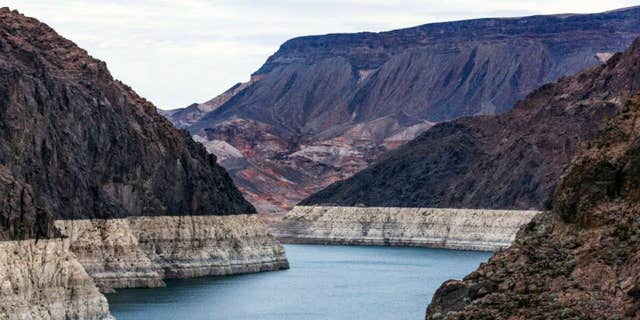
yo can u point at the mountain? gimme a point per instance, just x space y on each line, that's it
325 107
579 260
86 145
509 161
82 159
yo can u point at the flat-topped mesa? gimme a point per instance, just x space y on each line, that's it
510 161
462 229
323 108
77 144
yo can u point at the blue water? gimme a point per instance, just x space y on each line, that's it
324 282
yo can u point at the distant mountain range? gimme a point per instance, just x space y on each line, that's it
512 160
325 107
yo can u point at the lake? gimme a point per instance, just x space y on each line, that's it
324 282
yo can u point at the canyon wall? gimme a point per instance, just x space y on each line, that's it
513 160
463 229
77 144
142 251
110 253
42 279
325 107
209 245
580 260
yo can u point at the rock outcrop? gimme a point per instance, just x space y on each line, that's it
142 251
580 260
509 161
198 246
20 219
325 107
462 229
43 280
87 145
110 253
76 144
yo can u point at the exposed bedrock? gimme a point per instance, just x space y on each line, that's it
109 252
43 280
193 246
77 144
141 251
464 229
323 108
580 260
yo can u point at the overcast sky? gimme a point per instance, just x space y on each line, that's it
175 52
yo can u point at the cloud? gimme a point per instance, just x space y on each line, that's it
175 52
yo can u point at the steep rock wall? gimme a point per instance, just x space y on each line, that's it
429 227
196 246
77 144
142 251
579 260
109 252
322 108
510 161
43 280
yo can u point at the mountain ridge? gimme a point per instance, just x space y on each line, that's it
84 145
510 161
578 260
322 107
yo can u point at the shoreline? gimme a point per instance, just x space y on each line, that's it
140 252
444 228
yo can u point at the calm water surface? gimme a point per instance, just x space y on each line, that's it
324 282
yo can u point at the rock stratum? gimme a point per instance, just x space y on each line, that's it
509 161
43 280
143 251
580 260
83 149
325 107
460 229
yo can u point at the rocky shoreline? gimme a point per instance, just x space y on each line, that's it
82 148
62 278
142 251
458 229
42 279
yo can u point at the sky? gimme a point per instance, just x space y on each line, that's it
176 52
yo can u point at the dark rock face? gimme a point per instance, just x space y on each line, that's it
580 260
513 160
20 218
332 104
84 145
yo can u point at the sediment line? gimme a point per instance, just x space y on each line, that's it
142 251
459 229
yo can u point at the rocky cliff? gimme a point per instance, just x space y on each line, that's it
109 251
461 229
88 145
325 107
579 260
513 160
43 280
142 251
77 144
208 245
